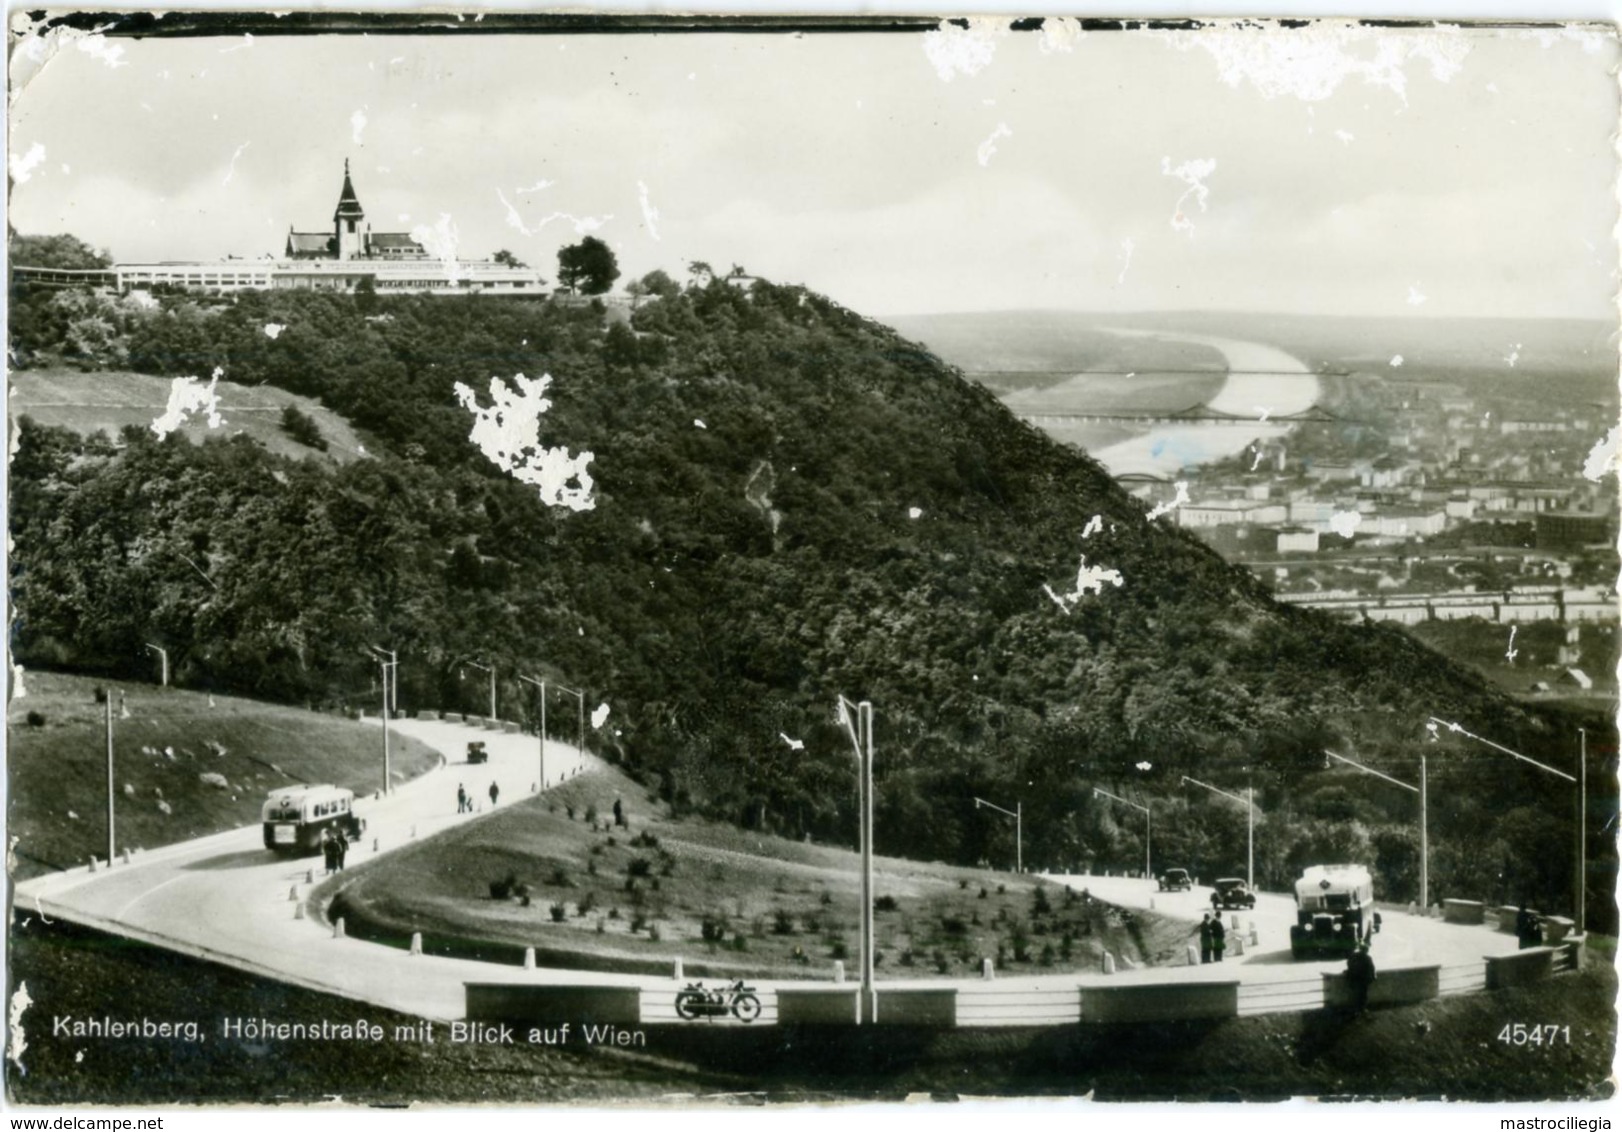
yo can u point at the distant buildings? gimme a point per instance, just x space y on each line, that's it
350 257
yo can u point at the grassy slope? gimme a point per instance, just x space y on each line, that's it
86 402
795 906
1448 1047
58 770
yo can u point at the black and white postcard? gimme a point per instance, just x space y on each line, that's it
679 562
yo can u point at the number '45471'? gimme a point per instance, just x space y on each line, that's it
1520 1034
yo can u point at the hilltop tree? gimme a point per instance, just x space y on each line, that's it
63 252
655 284
588 268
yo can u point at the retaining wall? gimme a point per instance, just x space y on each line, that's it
1529 966
581 1005
1160 1002
817 1006
1464 911
1396 986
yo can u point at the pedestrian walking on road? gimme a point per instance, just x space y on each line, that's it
495 792
329 851
1528 933
461 798
341 849
1205 939
1219 939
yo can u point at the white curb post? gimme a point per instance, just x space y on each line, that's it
529 959
1193 956
677 973
298 910
988 970
292 893
1109 963
839 971
338 928
309 876
416 943
92 862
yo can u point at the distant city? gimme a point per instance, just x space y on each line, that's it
1455 500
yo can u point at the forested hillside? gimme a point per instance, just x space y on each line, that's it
791 502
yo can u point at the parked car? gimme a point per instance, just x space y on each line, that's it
476 752
1175 880
1232 892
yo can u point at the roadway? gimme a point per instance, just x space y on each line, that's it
227 899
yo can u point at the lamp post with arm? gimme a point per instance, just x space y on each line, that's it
1149 824
1424 809
541 684
1018 814
1250 829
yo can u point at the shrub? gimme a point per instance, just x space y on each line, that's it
878 959
782 922
826 898
611 841
638 921
644 841
613 913
1047 955
585 907
653 933
101 694
962 884
558 912
36 719
839 950
302 428
885 904
739 942
954 925
559 879
602 925
713 929
942 964
639 867
907 958
1002 890
982 893
668 869
591 814
503 889
1041 906
568 808
591 868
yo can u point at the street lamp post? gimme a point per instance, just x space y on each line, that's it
541 684
1149 825
1017 813
581 696
389 666
1250 823
861 738
110 793
1424 811
1582 787
163 657
491 669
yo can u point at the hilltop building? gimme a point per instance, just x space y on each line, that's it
345 259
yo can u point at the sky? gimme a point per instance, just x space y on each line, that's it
1332 170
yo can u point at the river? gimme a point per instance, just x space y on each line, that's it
1263 383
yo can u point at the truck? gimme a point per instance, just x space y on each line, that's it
1334 911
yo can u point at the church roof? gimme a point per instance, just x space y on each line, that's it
309 242
348 202
392 240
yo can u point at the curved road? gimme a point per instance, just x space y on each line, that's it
227 899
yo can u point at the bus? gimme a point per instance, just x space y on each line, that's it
1334 911
296 817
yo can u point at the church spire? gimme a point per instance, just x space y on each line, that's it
348 203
